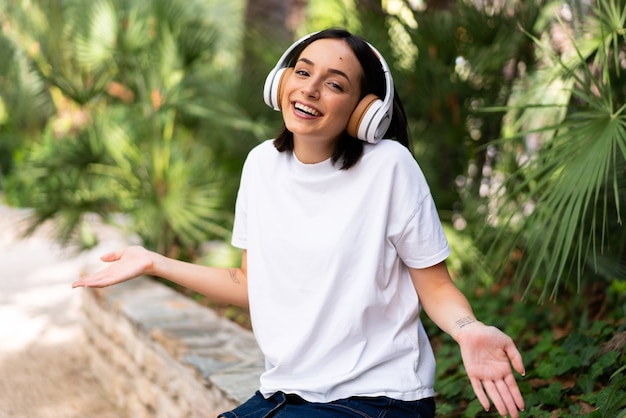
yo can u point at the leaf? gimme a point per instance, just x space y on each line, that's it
551 395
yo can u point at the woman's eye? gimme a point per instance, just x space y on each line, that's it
301 72
335 85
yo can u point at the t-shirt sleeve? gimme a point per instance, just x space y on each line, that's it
239 237
417 234
423 242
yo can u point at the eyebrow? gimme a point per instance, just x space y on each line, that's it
330 70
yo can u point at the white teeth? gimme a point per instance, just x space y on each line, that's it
306 109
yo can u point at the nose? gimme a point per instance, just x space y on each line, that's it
311 88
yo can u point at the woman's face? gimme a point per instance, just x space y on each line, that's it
321 93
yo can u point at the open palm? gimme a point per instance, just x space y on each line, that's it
125 264
487 356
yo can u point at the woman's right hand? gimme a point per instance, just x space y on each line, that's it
125 265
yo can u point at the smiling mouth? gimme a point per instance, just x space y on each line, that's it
306 109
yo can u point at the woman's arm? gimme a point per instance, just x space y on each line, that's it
486 351
441 299
220 284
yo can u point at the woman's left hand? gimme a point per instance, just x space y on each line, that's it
487 355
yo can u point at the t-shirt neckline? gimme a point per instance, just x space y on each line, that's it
321 168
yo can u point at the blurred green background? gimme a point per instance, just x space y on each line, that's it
141 112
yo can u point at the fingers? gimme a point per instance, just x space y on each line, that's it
508 402
515 357
112 256
480 393
496 397
88 281
92 280
518 364
79 283
504 394
513 389
123 265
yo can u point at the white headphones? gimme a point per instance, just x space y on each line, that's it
370 118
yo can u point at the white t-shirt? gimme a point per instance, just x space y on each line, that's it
332 304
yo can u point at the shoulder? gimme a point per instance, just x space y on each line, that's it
394 162
391 154
389 149
264 149
262 153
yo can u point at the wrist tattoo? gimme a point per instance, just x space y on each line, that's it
233 275
466 320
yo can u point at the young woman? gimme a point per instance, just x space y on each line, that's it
341 249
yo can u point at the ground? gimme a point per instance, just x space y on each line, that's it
43 368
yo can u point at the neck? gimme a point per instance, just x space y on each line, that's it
313 151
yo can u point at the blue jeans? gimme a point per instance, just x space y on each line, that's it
281 405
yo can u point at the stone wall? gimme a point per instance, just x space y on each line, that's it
160 354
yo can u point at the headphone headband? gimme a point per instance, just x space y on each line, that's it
371 117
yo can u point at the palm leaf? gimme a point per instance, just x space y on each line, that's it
572 184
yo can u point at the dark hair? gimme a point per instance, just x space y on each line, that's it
348 148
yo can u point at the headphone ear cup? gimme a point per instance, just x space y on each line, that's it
271 89
274 84
362 116
285 74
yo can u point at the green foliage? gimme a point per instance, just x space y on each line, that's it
132 84
545 202
24 101
571 187
324 14
467 57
